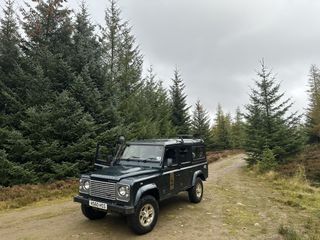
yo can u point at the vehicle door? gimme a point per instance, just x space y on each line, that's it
199 159
170 177
185 173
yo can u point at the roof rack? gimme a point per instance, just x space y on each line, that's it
185 136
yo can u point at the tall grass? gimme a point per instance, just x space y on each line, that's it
309 159
23 195
297 192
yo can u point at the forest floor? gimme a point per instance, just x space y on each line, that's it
237 204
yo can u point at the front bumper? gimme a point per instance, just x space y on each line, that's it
111 206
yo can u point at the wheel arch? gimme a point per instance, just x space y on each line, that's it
149 189
197 174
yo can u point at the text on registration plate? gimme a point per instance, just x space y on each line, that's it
96 204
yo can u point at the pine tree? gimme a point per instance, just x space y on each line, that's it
130 63
269 125
122 66
156 98
89 86
128 79
313 112
180 116
163 112
9 41
268 161
237 131
12 142
200 124
10 83
48 27
86 49
222 130
61 137
48 30
111 40
150 110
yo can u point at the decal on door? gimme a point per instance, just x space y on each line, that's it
171 181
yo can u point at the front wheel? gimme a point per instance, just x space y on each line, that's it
92 213
196 192
146 215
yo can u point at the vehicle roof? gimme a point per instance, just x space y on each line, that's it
167 142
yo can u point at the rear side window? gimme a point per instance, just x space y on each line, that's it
198 153
184 156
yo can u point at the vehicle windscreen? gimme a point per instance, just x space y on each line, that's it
142 153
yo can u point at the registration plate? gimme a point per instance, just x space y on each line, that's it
96 204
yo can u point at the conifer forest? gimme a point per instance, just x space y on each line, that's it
67 84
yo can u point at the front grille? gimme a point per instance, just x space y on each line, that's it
106 190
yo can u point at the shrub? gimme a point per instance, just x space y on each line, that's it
11 173
268 161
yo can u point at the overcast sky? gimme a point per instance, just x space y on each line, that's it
217 44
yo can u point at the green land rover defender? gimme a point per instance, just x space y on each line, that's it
139 176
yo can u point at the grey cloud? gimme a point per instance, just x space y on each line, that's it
218 44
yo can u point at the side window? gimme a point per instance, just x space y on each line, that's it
198 153
171 153
184 155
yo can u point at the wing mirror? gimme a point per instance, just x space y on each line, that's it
122 140
169 162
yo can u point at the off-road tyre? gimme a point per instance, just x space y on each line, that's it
151 206
196 192
91 213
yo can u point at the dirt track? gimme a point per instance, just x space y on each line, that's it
233 207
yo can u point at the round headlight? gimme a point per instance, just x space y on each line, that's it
122 191
86 185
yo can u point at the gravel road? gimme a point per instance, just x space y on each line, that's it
178 219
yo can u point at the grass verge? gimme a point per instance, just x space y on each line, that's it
297 193
23 195
288 233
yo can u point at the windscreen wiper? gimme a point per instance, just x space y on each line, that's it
152 159
131 158
138 159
